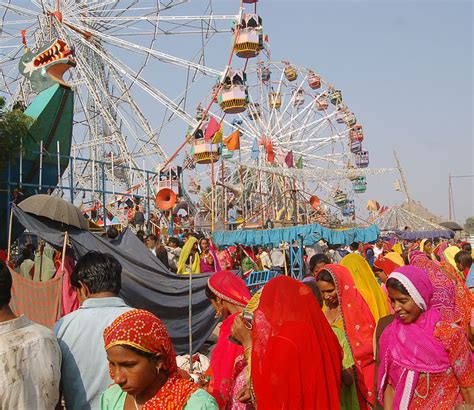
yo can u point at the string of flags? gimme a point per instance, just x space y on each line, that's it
214 133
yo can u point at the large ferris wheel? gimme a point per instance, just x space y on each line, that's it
140 65
142 69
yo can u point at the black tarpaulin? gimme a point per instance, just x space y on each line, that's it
146 283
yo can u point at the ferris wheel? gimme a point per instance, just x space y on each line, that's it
298 140
141 67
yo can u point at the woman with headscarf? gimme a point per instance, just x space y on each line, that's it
295 356
449 263
229 295
425 362
208 258
426 246
347 310
189 260
142 364
367 285
450 297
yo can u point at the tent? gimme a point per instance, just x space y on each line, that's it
311 234
146 283
408 225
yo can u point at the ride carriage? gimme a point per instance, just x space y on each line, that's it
249 40
340 198
314 80
298 98
274 100
321 103
362 159
359 185
290 73
254 111
204 152
233 97
356 133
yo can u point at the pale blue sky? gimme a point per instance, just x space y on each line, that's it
405 69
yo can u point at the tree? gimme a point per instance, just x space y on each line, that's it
469 225
14 126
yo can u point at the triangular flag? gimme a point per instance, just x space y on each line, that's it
254 154
289 160
232 142
270 152
211 129
217 138
280 155
299 163
266 38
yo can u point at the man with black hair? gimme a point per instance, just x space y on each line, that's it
29 355
85 372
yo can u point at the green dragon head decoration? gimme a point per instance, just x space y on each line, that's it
46 66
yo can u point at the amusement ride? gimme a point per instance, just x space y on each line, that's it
165 115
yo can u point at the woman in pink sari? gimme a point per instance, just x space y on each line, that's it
228 295
425 362
208 258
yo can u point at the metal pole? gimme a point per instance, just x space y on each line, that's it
148 201
59 164
113 172
190 316
71 179
21 162
40 166
449 197
103 196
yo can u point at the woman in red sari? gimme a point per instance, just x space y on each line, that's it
296 359
228 295
353 316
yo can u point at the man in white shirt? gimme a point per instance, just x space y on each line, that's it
29 356
85 370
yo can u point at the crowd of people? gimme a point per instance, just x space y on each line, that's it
384 325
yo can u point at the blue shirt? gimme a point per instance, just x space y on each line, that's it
84 369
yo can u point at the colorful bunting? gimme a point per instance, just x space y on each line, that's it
217 138
289 160
211 129
232 142
299 162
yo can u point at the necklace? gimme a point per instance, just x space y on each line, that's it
135 403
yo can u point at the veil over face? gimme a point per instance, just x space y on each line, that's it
296 357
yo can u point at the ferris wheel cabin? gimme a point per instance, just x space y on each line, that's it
249 41
359 185
233 97
362 159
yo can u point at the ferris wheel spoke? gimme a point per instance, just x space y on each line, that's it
125 70
17 9
288 105
127 45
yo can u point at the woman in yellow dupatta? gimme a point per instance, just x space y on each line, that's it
367 285
426 246
189 248
450 264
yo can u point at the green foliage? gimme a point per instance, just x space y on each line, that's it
469 225
14 126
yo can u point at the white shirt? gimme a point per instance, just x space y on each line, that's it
265 259
278 258
31 361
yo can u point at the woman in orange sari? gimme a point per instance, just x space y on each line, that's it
228 295
348 311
